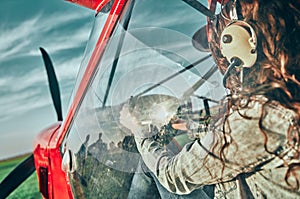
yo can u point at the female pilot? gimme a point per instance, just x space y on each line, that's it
252 151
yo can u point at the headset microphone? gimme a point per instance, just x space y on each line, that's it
234 62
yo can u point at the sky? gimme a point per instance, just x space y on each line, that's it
26 108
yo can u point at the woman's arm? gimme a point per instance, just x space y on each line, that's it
188 170
199 162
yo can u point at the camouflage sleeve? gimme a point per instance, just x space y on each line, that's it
186 171
199 162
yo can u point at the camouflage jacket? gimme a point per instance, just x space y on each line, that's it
249 171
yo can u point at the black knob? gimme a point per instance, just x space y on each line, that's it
227 39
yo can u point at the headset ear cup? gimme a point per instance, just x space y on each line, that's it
238 40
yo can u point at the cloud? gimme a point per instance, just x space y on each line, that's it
58 31
31 90
18 40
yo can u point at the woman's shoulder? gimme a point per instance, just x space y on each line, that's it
259 106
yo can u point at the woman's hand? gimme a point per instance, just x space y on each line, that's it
129 121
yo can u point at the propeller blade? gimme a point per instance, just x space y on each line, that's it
17 176
53 83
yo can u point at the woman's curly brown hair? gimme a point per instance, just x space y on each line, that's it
276 73
277 69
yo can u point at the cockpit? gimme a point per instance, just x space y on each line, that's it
150 62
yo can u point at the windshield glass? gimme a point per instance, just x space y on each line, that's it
155 46
93 38
150 64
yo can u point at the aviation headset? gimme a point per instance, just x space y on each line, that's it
238 39
238 42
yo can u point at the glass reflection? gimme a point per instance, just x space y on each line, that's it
152 66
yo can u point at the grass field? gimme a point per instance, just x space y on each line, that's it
29 188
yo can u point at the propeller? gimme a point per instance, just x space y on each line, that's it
17 176
53 84
26 167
